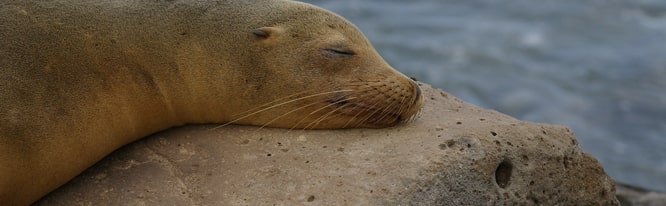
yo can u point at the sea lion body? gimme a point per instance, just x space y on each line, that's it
82 78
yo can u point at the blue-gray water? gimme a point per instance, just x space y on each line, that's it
597 66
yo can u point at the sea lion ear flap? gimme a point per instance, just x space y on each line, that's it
267 32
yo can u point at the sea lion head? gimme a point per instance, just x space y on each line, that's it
324 74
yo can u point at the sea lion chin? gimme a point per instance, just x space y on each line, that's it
81 79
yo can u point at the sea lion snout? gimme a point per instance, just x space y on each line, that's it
382 103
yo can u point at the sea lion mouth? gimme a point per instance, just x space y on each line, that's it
417 92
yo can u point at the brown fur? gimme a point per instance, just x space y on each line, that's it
81 79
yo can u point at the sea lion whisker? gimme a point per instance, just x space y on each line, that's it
274 106
317 110
273 102
323 117
416 114
361 111
360 80
402 106
356 117
345 100
324 107
375 109
395 114
268 104
287 113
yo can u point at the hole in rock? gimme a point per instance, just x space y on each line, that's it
442 146
450 143
503 173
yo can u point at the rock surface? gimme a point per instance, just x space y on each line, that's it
454 154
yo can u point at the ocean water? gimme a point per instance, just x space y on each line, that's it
597 66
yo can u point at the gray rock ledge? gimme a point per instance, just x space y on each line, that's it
454 154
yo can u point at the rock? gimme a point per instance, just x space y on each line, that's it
454 154
635 196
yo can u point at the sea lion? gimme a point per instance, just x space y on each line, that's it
83 78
